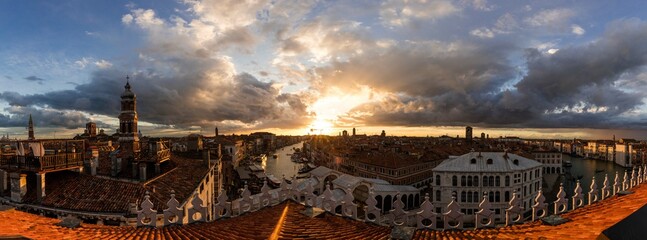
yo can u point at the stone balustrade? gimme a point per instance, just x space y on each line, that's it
425 217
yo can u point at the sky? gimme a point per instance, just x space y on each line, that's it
540 69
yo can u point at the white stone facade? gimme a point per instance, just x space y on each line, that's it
499 175
552 162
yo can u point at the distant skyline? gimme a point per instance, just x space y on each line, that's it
540 69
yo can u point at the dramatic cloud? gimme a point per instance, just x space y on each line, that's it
185 80
572 87
255 64
18 117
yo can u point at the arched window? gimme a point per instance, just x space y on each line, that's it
411 203
497 196
506 196
491 181
437 180
463 183
462 196
507 181
438 195
497 181
387 203
475 196
404 200
469 181
485 181
476 181
416 200
454 181
516 162
473 161
491 196
489 161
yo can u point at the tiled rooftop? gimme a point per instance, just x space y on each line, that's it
80 192
74 191
587 223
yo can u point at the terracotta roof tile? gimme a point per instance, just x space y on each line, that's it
587 223
80 192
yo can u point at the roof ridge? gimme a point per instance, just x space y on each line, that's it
279 224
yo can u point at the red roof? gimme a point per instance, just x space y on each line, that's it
586 223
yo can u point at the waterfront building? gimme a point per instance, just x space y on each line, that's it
551 161
498 174
397 160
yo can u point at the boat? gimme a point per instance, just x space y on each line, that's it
273 181
275 156
261 158
568 163
305 169
303 175
599 170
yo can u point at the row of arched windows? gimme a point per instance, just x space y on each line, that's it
386 203
473 181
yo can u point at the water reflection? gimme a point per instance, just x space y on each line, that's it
584 170
282 165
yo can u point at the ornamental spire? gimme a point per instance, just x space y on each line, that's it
127 83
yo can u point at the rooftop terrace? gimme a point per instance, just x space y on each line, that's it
285 221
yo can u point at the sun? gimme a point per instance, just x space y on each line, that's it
320 126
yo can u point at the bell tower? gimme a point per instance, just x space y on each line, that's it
128 137
30 129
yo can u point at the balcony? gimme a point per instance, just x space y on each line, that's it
46 163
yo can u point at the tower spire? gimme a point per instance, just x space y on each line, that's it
31 129
127 82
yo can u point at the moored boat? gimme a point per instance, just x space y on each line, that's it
273 181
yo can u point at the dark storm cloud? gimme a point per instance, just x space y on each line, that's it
571 88
187 98
19 117
181 82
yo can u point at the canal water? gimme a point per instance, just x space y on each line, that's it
584 170
282 165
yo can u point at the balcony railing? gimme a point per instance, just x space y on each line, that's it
44 163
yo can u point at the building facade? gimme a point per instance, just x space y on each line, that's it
552 161
497 174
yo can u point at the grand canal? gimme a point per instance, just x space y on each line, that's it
282 165
584 170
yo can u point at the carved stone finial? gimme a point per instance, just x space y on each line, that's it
426 213
593 193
